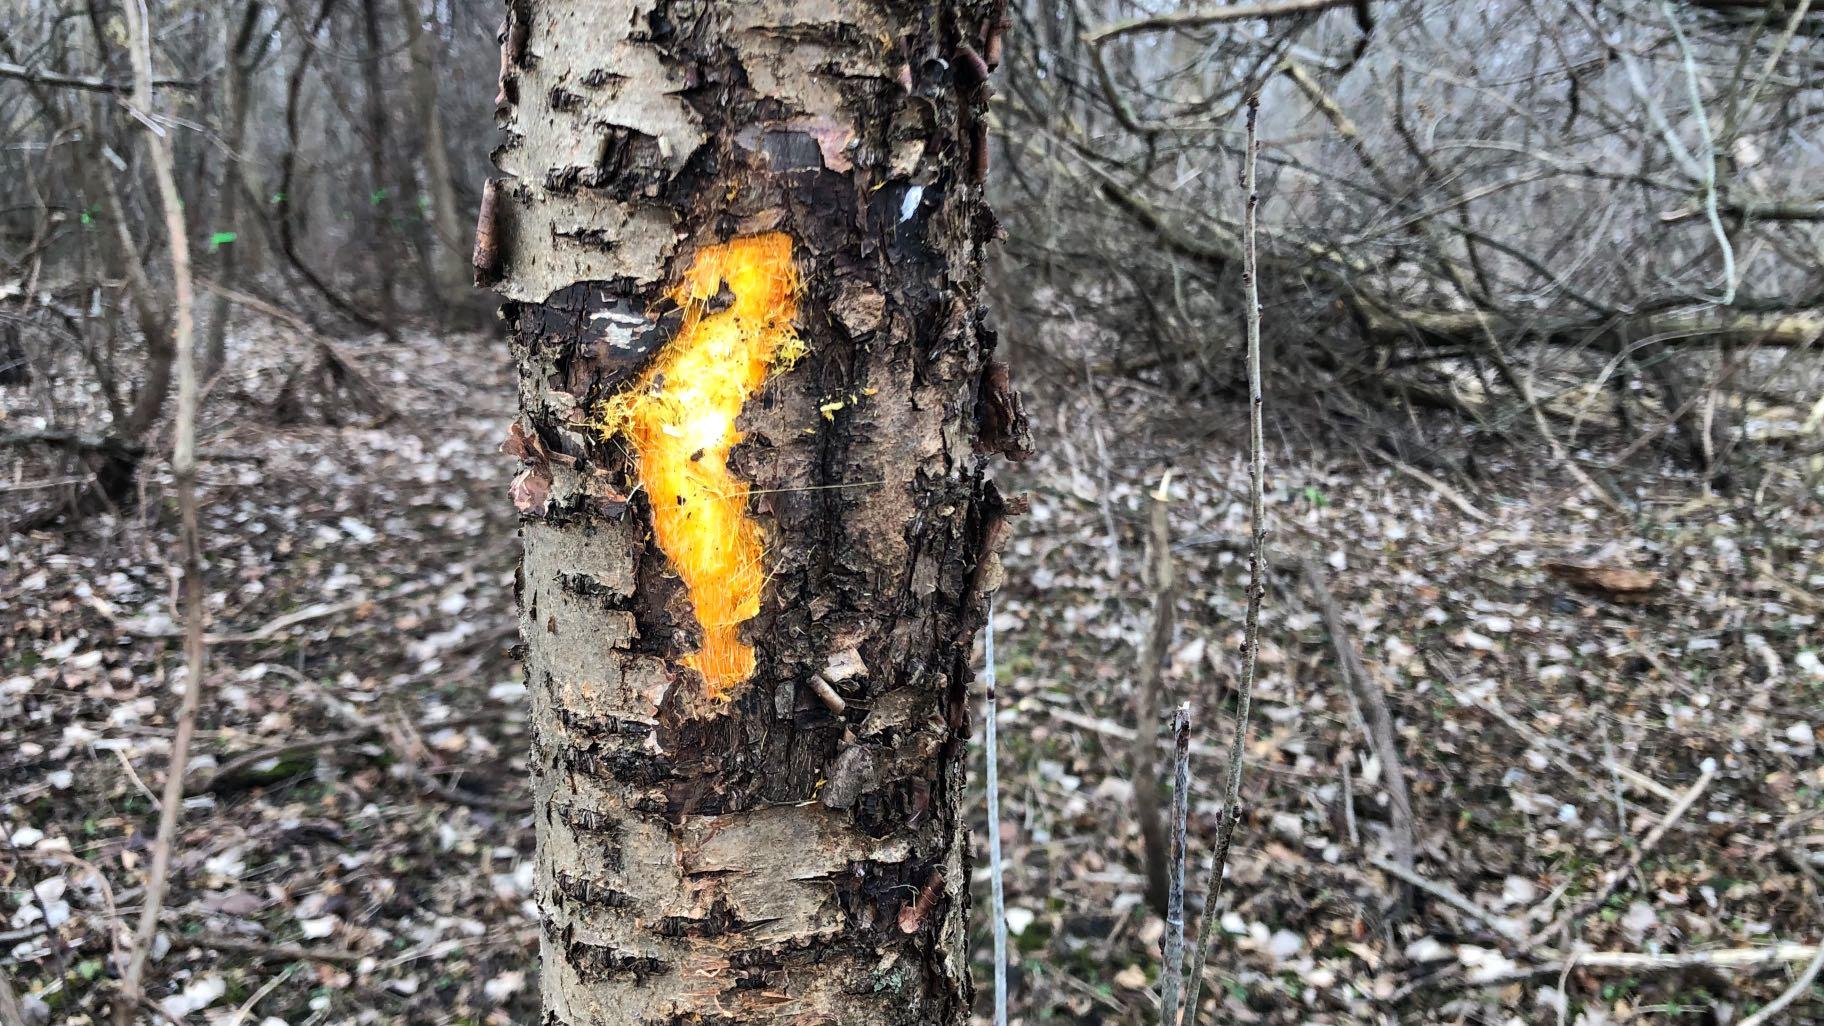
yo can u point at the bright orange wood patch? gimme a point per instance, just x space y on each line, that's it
680 419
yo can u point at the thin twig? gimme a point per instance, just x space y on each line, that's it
1200 749
266 951
1355 840
1800 987
1553 748
1449 896
1444 491
1631 961
1621 801
1203 18
183 469
238 767
58 79
271 628
1707 175
126 765
1257 587
246 1009
992 776
1171 976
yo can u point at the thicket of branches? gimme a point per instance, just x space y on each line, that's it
1537 214
330 157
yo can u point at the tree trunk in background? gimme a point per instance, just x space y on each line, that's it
237 81
382 201
731 834
449 242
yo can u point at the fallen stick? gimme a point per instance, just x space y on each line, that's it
1800 987
1551 744
367 727
318 611
1647 844
1642 781
1443 491
401 745
11 1013
358 384
267 951
1377 721
1443 892
1629 961
238 767
1202 750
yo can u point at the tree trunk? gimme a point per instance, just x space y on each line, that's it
237 82
740 244
447 245
382 201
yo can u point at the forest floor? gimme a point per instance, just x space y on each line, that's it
1617 800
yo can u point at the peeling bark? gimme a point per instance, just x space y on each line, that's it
789 849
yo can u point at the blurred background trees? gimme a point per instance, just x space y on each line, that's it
1542 219
319 179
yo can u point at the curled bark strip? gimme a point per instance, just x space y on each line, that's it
978 158
487 240
1004 427
500 95
985 577
827 694
971 69
1376 719
997 31
518 26
914 914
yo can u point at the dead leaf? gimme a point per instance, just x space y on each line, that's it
1618 583
532 491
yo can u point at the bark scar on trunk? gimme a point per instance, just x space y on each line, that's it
739 301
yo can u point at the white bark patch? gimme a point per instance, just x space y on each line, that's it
583 76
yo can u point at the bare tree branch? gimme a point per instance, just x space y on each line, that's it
1257 585
183 467
59 80
1211 16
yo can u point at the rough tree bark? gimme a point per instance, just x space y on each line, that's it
750 585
